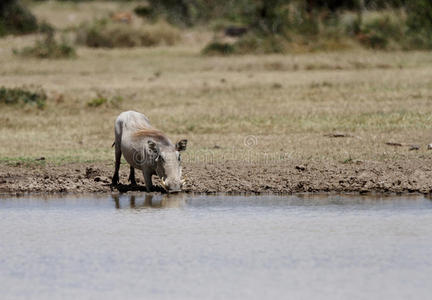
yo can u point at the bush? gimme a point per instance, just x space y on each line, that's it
15 18
283 28
114 35
193 12
420 24
15 96
104 100
48 48
381 30
251 43
218 48
143 11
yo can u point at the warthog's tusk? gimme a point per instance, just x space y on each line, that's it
163 184
183 181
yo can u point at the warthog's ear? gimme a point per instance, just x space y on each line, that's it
181 145
153 147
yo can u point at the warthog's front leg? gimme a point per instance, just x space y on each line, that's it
148 179
132 176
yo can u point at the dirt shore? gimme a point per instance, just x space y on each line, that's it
231 177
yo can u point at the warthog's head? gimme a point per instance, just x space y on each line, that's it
168 166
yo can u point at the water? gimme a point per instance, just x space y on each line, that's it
215 247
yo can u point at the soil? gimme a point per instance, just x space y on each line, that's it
414 176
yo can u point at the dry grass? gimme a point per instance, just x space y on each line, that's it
116 35
287 102
66 14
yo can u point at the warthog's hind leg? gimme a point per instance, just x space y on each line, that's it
132 176
115 179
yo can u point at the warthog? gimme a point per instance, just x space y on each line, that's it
147 149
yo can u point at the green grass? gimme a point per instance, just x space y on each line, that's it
47 48
58 160
100 100
23 161
22 96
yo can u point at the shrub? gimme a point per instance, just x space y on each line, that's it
218 48
193 12
104 100
159 33
381 30
98 101
46 28
419 23
15 96
111 36
252 43
177 12
143 11
15 18
115 35
249 43
48 48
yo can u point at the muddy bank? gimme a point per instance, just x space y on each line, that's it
231 177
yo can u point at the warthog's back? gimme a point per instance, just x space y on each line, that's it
131 121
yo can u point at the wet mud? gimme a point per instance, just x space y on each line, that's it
230 177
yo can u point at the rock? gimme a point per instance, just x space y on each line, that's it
338 135
300 167
394 144
429 147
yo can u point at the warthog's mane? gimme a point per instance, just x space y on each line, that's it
155 134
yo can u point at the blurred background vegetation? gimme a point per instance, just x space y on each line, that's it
241 26
69 66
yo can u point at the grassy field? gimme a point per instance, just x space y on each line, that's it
277 105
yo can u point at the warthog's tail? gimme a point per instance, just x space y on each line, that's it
113 144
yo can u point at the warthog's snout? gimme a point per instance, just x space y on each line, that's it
172 186
174 191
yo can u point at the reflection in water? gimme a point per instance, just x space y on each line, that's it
149 201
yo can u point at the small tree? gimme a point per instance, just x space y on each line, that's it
269 16
176 11
420 23
420 15
15 18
